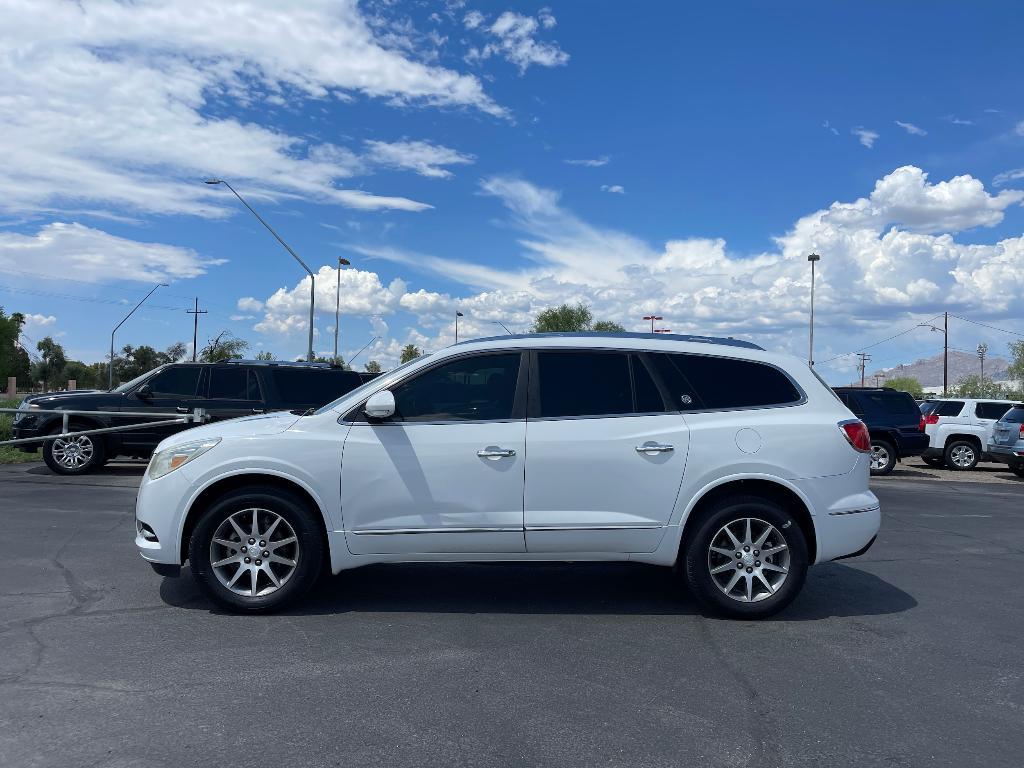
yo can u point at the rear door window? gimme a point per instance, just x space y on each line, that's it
311 387
948 408
702 382
584 384
988 410
233 384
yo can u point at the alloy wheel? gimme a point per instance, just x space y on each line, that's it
879 457
72 453
962 456
748 560
254 552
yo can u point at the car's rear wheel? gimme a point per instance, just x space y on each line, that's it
883 457
256 550
73 455
746 559
1017 469
961 455
933 461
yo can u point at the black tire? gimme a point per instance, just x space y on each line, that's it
58 459
933 461
308 556
697 563
882 448
1017 469
961 455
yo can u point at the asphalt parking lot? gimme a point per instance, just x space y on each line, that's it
908 656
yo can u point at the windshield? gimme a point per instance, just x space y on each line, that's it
386 379
129 384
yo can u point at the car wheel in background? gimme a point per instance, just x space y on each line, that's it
961 455
1017 469
746 559
73 455
933 461
256 550
883 457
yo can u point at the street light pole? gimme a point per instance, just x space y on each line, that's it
337 306
814 259
312 278
457 316
110 372
498 322
652 318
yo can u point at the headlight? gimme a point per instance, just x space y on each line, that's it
170 459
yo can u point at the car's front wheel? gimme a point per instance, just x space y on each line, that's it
746 559
933 461
256 550
73 455
1017 469
961 455
883 457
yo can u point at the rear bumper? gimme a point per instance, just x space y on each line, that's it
933 453
846 533
913 445
1006 454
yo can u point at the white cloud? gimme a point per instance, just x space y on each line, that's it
1006 177
594 162
424 158
62 249
615 188
37 322
910 128
889 259
865 136
957 120
514 39
249 304
122 104
1019 129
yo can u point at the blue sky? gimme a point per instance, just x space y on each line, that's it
498 158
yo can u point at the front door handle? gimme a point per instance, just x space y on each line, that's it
258 410
182 409
654 448
495 453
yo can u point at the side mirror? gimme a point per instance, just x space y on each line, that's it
144 392
380 405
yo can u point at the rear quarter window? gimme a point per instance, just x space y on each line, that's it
948 408
701 382
987 410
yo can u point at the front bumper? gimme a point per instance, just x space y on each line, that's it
22 432
159 510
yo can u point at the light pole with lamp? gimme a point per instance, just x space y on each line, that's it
337 306
498 322
652 318
110 373
814 259
457 316
945 349
312 279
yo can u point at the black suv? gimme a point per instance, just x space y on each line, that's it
224 390
894 421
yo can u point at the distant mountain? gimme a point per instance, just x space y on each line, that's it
928 370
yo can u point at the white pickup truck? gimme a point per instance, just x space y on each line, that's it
959 429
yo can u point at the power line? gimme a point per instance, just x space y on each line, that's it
986 325
883 341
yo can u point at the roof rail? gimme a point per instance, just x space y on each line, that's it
726 341
282 363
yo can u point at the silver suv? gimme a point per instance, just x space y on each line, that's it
1007 442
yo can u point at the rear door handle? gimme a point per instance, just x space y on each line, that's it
654 448
258 410
495 453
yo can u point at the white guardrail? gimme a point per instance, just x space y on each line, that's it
185 416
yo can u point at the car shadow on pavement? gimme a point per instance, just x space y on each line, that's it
553 588
119 469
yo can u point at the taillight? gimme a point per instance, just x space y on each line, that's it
920 425
931 418
856 433
1021 433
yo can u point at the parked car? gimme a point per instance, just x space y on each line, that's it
738 465
1007 443
959 429
224 390
894 421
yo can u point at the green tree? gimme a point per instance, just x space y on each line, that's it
373 367
978 386
572 318
224 346
265 355
135 361
50 367
409 352
84 375
14 359
907 384
1016 369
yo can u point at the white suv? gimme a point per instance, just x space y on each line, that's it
739 465
959 429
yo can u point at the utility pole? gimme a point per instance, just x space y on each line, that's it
865 358
982 351
195 326
945 355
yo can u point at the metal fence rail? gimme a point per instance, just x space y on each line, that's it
195 416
